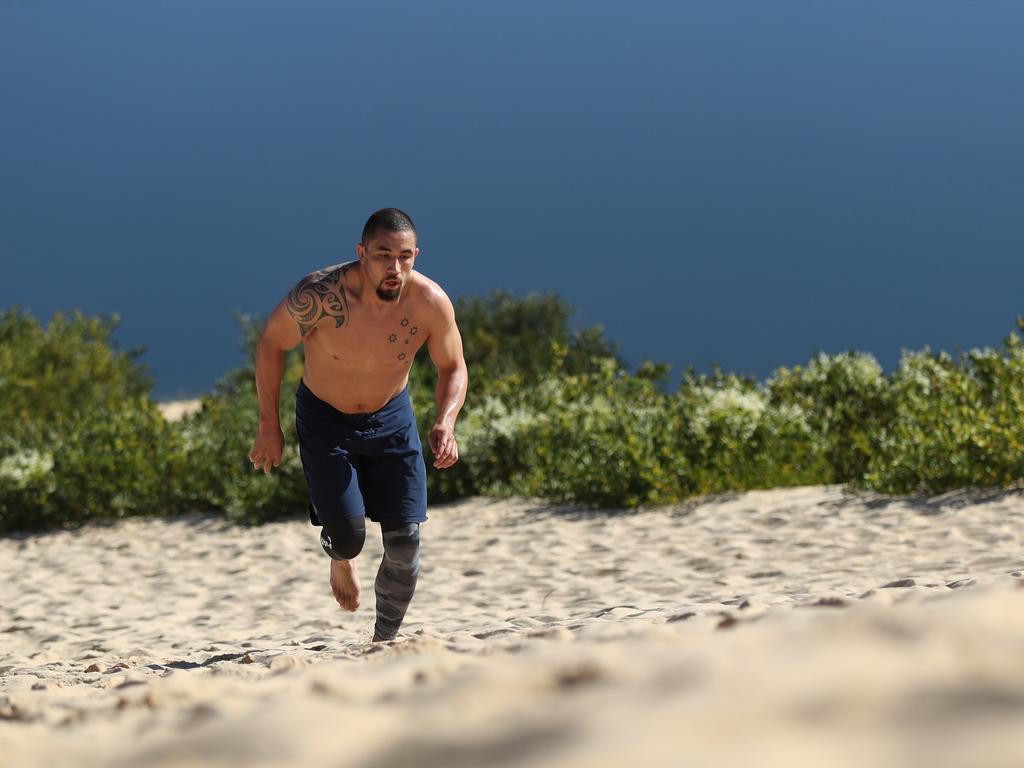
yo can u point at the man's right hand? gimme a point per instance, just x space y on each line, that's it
266 451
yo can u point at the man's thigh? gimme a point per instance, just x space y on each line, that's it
394 487
332 480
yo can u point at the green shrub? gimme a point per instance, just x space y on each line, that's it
735 438
80 438
510 344
956 423
49 375
550 414
27 487
527 338
219 437
846 401
599 438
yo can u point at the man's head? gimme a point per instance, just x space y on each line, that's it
388 251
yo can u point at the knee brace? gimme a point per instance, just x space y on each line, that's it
402 545
343 539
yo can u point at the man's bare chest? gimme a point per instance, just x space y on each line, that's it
366 340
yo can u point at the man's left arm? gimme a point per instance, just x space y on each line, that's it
445 347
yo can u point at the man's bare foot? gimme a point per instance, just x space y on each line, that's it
345 583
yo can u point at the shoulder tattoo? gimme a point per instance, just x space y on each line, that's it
319 295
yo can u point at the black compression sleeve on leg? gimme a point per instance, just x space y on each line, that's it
396 578
344 538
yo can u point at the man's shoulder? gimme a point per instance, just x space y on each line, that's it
318 295
431 294
331 275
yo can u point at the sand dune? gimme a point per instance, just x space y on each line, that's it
798 627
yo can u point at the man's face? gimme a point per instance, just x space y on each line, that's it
387 260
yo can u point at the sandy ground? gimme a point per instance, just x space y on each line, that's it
798 627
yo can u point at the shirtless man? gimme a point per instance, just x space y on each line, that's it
361 323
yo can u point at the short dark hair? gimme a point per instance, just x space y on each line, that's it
389 220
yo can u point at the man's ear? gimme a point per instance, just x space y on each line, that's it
360 251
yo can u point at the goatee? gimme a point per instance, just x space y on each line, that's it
386 294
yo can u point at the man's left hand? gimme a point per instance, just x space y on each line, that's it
443 444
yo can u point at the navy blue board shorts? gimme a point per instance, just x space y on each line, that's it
360 464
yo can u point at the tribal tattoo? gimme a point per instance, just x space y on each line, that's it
317 296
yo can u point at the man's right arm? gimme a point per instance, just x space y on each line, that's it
281 333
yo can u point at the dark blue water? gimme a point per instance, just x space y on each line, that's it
732 182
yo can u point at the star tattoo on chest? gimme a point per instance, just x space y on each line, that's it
392 338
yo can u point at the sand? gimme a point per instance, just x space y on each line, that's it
797 627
